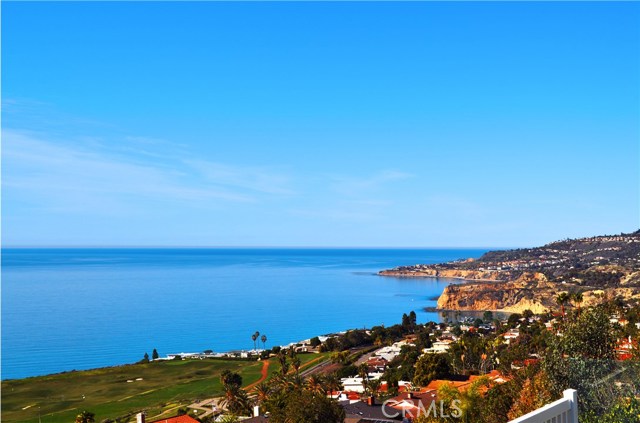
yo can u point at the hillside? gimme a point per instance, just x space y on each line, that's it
532 277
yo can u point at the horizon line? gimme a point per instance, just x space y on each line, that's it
302 247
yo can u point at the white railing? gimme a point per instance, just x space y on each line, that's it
565 410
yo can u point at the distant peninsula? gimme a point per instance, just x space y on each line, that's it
532 278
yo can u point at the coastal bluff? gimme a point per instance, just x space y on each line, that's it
532 278
530 291
468 275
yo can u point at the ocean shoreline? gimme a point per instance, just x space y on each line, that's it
390 274
63 298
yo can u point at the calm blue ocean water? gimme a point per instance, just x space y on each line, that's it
65 309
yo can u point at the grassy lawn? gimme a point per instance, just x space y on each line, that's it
164 387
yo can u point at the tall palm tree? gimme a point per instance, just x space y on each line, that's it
295 362
282 358
254 337
363 372
562 299
577 299
264 341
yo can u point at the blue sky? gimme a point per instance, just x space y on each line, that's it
319 124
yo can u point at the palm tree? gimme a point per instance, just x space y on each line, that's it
228 418
374 385
332 383
295 362
363 372
296 382
263 391
264 341
562 299
282 358
315 384
236 400
577 299
254 337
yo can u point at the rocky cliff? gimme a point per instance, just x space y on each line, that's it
530 291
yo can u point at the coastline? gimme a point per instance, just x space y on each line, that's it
231 294
391 274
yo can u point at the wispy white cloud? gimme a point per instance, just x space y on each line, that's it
354 186
353 199
338 214
61 176
256 179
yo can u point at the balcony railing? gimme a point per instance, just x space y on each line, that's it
565 410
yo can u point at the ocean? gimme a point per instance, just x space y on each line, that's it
81 308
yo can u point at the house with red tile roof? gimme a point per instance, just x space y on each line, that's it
494 376
625 348
377 364
412 404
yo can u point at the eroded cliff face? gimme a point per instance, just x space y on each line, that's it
530 291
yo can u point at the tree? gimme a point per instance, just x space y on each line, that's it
514 319
363 372
590 336
498 401
315 384
263 338
412 319
228 418
332 383
263 391
235 399
341 357
303 406
527 314
487 316
315 341
284 365
577 299
295 362
86 417
582 358
405 320
430 367
254 337
154 354
374 386
561 299
145 359
534 394
230 379
624 410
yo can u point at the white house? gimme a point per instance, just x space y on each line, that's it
438 347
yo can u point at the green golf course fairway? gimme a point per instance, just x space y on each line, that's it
165 386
